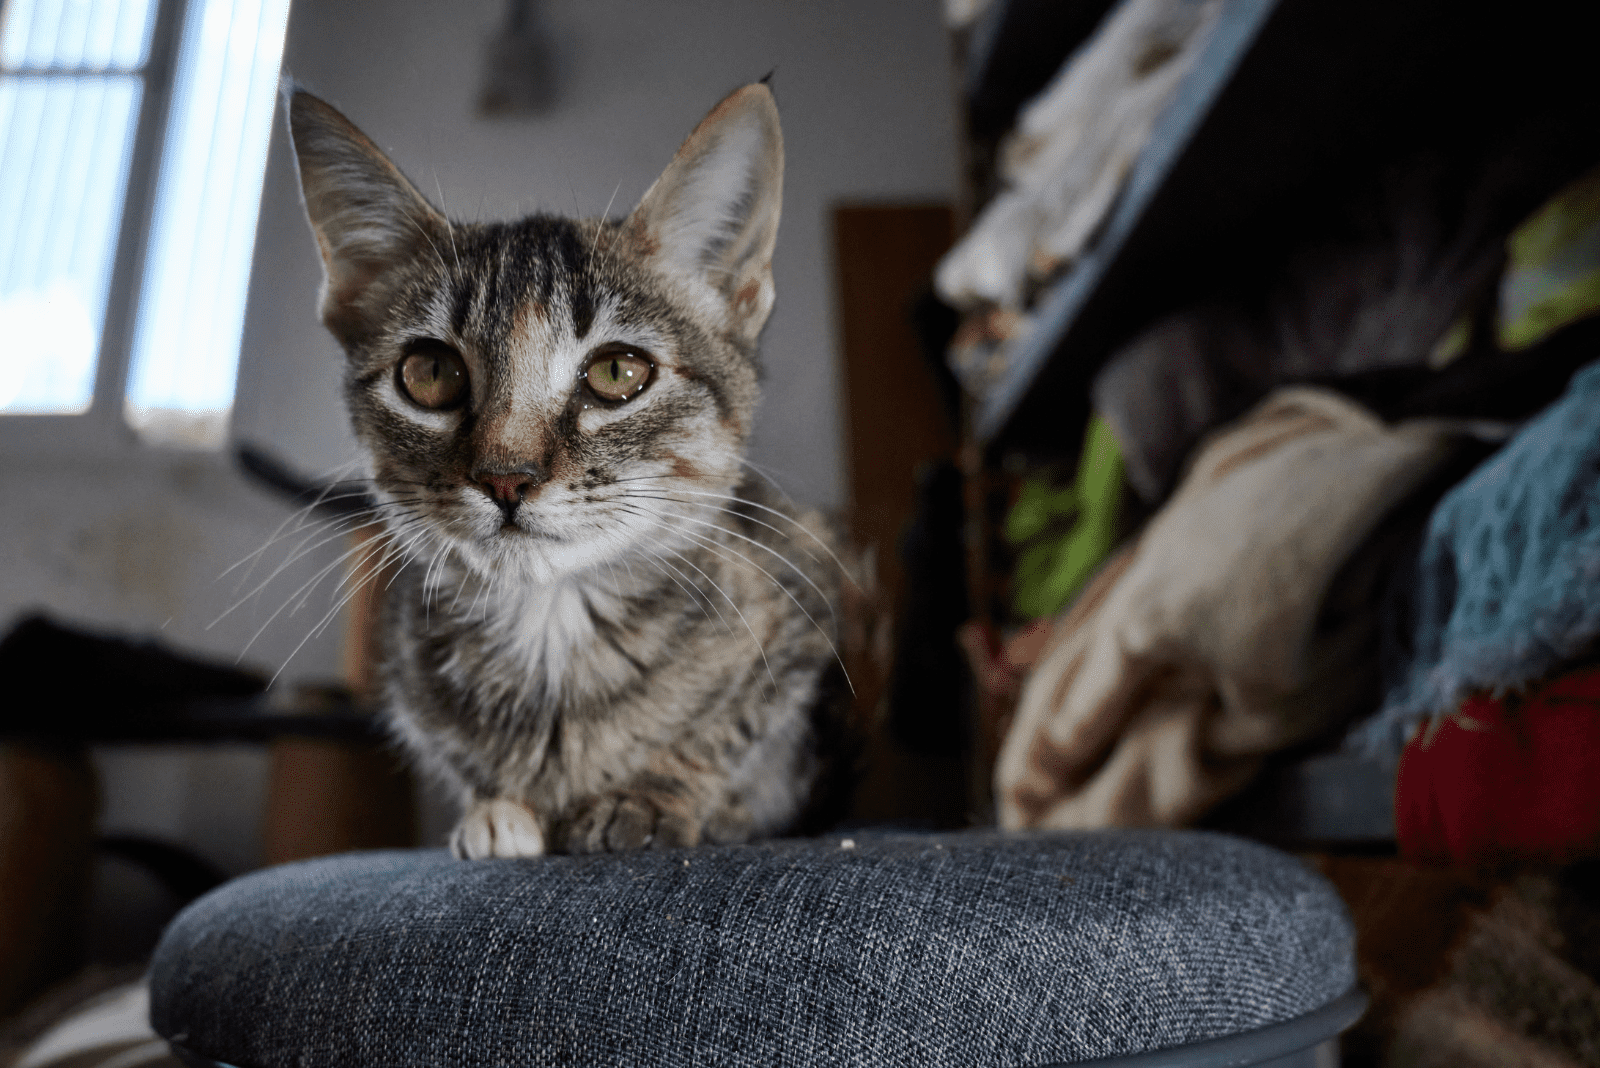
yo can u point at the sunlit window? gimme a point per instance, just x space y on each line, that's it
73 75
186 350
71 78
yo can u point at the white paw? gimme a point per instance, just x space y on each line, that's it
497 828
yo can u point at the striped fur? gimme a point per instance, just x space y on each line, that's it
605 632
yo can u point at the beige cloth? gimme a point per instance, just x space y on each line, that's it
1210 643
1073 147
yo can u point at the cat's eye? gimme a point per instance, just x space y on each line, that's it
434 375
617 375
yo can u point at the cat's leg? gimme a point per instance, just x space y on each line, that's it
497 827
717 787
655 810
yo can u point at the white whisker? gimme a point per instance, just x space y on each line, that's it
717 550
600 224
742 619
786 561
765 508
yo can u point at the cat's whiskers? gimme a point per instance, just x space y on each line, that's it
393 528
616 584
736 499
697 598
297 517
600 223
732 604
422 535
341 527
427 594
449 227
696 539
302 595
345 523
396 545
768 475
724 508
305 588
484 585
466 573
834 616
371 575
301 518
386 552
717 550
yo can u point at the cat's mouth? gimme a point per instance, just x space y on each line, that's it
522 527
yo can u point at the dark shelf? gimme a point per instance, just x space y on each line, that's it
1292 105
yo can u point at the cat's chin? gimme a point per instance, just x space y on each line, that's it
527 559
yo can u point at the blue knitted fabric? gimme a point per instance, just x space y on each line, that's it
970 950
1507 588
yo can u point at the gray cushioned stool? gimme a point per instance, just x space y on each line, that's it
966 949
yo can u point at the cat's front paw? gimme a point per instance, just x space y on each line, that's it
627 819
497 828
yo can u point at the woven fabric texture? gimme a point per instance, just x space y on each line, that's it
1507 589
951 950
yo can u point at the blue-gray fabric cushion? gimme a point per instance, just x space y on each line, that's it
949 950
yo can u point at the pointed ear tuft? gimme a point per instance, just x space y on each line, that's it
713 214
365 214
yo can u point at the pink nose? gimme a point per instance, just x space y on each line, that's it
507 489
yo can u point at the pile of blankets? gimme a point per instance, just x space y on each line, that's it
1403 558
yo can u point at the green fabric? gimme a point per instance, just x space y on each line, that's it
1066 533
1553 274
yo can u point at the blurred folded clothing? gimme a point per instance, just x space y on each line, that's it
1220 637
1073 148
1506 780
1507 583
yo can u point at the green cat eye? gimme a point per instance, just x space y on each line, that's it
617 375
434 375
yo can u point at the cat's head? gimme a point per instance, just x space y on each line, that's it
537 394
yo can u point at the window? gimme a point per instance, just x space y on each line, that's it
133 140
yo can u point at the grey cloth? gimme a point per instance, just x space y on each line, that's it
934 950
1426 246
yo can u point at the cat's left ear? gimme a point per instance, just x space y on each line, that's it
713 213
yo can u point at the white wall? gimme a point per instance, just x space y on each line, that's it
135 542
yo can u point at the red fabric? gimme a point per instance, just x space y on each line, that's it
1506 780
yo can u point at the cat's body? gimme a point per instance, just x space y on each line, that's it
605 632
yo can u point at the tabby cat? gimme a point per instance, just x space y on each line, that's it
605 631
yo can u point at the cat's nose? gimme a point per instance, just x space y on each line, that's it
509 488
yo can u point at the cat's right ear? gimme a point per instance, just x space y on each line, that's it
713 214
365 214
